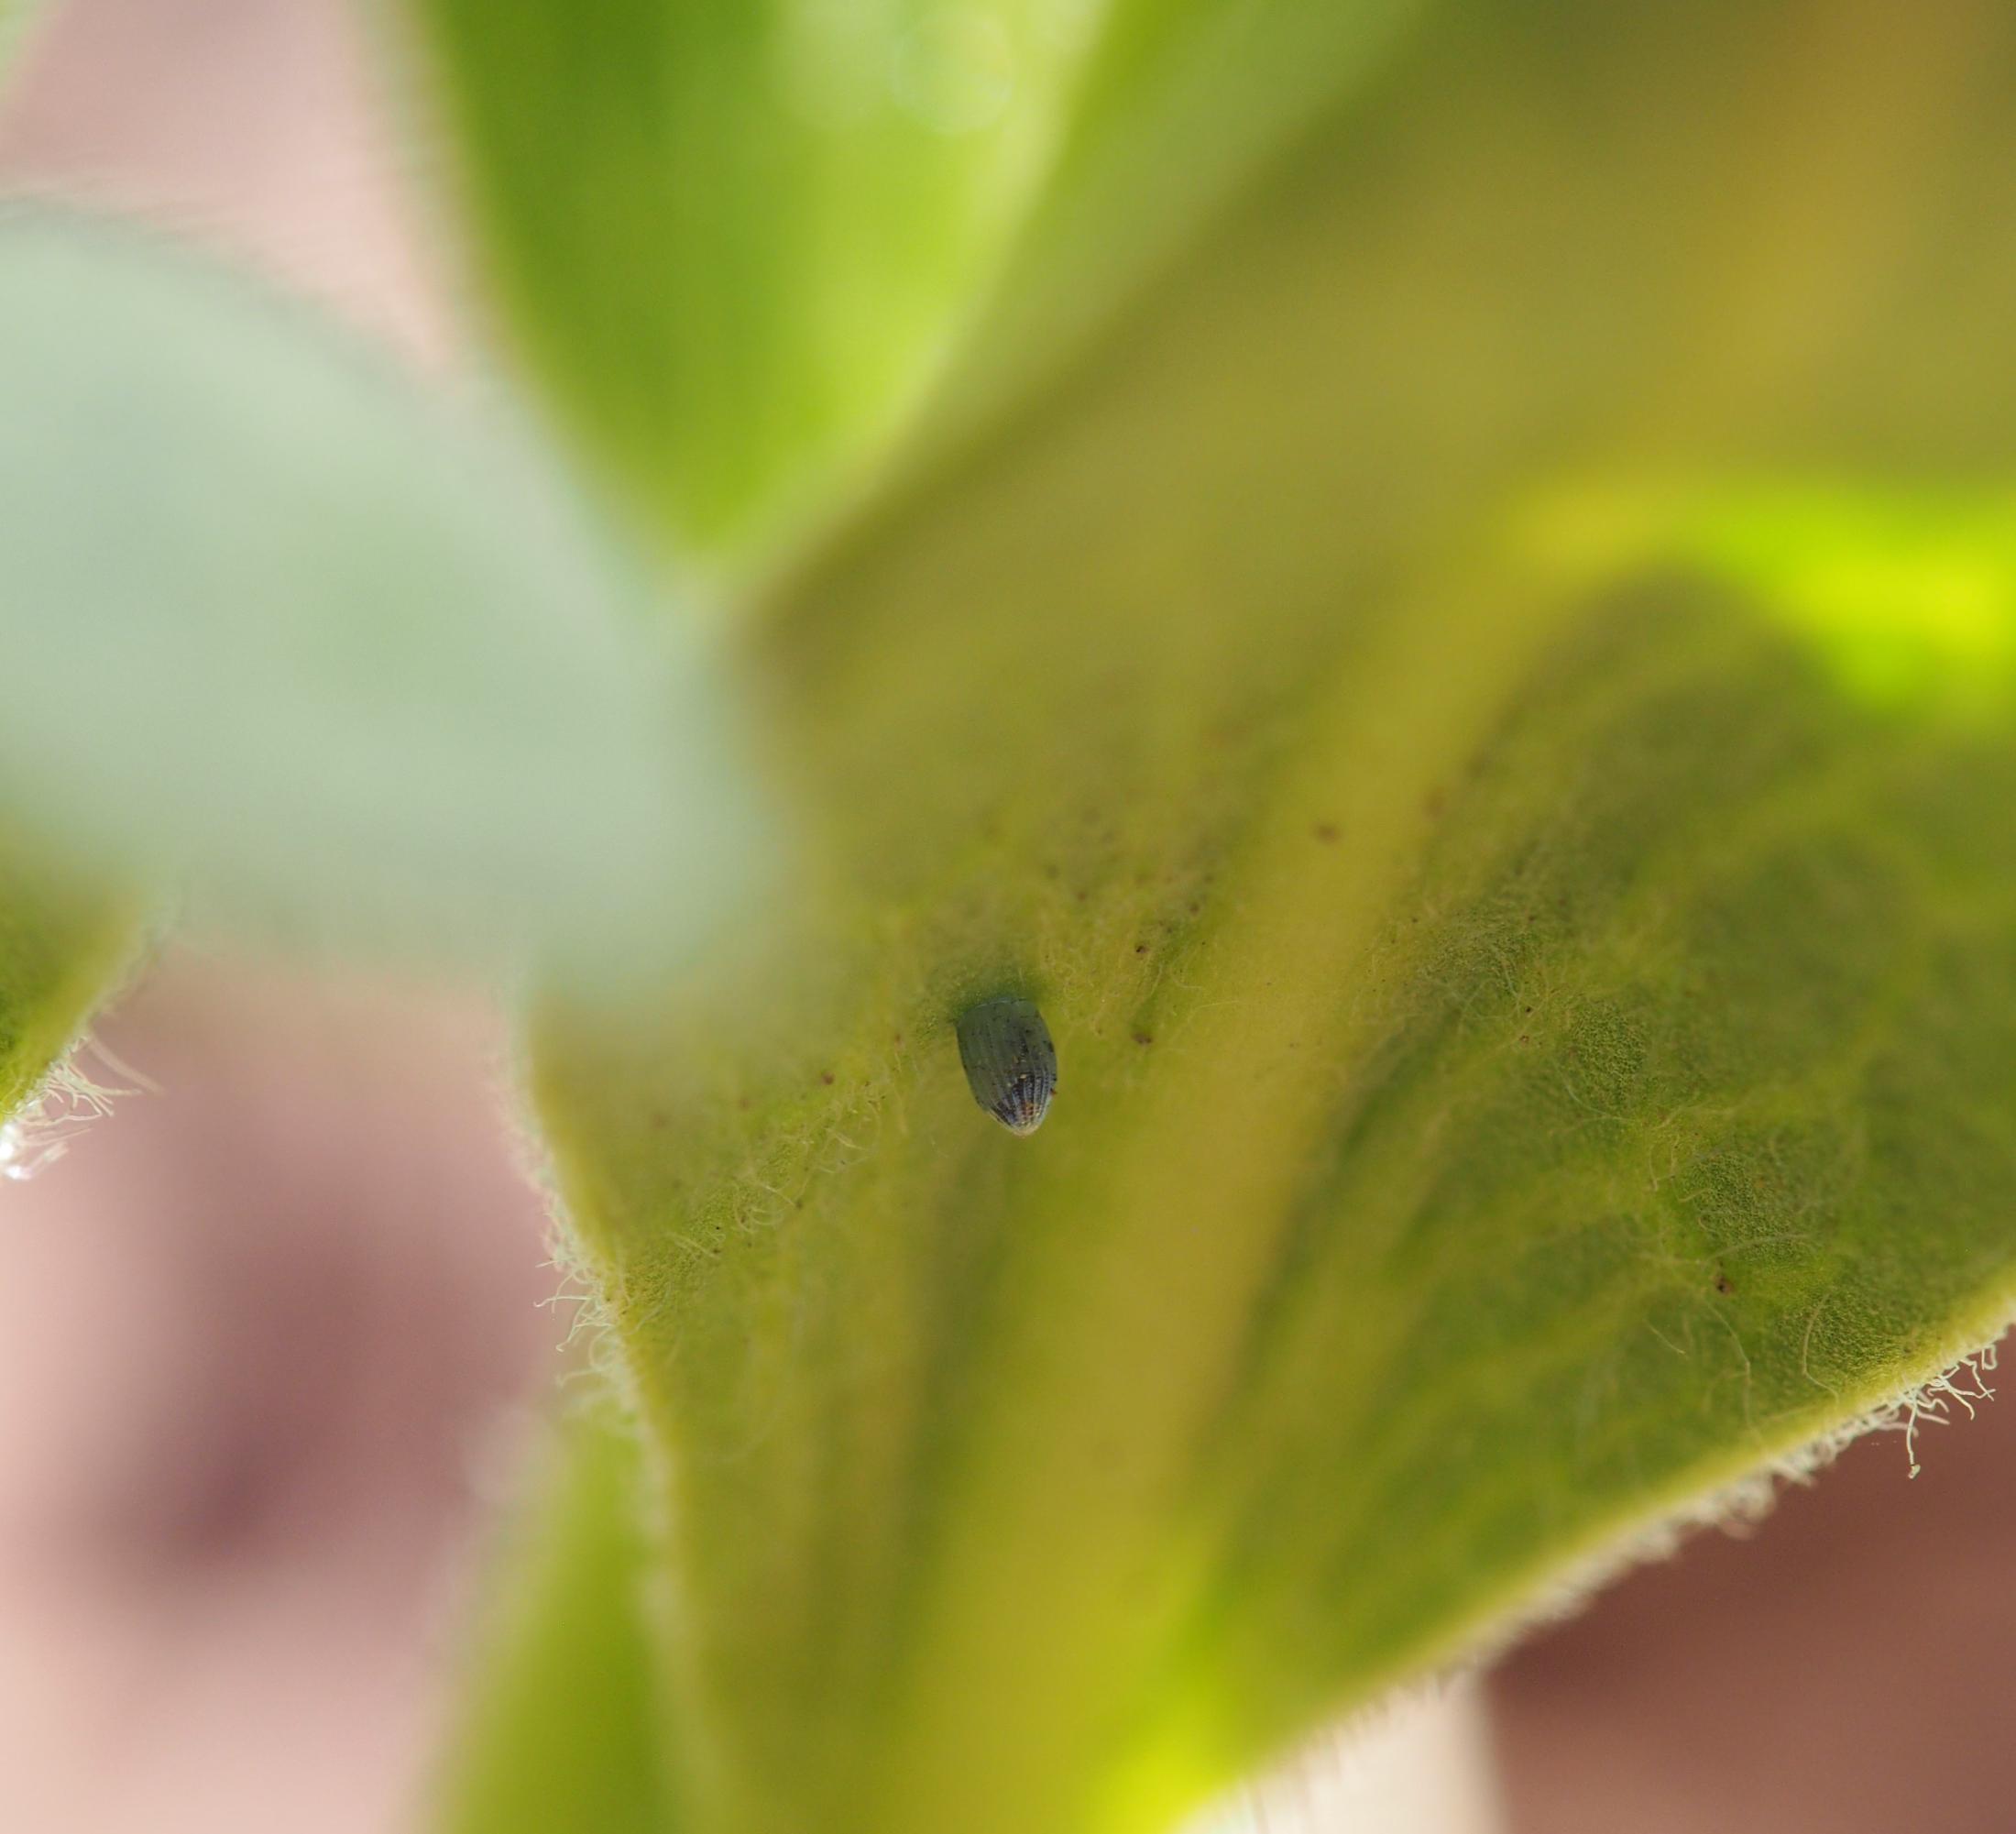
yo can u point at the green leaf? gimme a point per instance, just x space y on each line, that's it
1619 1101
559 1727
63 948
1175 107
1536 1015
341 659
739 241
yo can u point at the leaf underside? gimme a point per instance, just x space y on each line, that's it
1653 1117
1532 983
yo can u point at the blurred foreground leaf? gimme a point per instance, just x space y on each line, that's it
741 238
338 658
1537 1033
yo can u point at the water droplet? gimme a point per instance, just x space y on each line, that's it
1011 1063
954 71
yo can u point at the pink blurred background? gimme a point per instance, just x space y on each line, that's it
276 1336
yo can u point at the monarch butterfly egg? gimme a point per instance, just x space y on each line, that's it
1011 1064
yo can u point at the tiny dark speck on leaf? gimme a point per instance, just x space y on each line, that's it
1326 831
1141 949
826 1077
1144 1037
1724 1284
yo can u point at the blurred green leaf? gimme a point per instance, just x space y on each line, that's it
559 1727
64 944
1909 593
344 660
741 240
1537 1039
1178 103
16 17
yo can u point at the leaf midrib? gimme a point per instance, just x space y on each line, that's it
1221 1128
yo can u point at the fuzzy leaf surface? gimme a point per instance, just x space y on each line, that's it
63 949
1436 710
